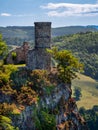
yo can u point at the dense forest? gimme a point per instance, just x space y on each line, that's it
83 46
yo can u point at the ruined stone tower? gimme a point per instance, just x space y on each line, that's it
38 58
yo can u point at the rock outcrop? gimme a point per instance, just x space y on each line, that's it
61 104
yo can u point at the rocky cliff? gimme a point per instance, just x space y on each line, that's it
54 109
41 103
67 116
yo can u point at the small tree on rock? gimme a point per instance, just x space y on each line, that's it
77 93
67 64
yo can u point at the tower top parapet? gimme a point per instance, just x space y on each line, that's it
42 23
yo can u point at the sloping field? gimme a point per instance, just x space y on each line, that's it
89 90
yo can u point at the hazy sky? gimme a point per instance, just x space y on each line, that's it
59 12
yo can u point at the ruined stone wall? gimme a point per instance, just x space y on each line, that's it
21 54
38 58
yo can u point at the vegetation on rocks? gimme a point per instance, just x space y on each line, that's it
67 65
21 88
6 123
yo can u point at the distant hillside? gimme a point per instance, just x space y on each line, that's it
93 26
83 46
72 30
19 32
16 35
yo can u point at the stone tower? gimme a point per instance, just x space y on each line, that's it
42 34
38 58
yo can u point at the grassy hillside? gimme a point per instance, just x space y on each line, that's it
83 46
89 90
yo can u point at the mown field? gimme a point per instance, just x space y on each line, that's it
89 90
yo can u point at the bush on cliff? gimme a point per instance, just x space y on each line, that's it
67 65
6 123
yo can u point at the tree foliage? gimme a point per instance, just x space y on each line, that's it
47 121
3 48
91 117
77 93
6 123
67 64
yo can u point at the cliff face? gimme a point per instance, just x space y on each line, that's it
39 103
60 104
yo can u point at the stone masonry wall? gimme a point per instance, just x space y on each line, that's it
38 58
21 54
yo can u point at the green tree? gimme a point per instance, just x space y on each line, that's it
3 48
67 64
6 123
77 93
14 55
47 121
91 117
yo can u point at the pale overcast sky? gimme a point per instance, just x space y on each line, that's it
59 12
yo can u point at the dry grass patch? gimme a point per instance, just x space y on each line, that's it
88 89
